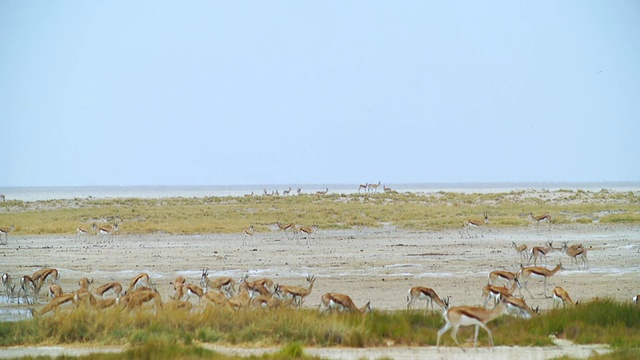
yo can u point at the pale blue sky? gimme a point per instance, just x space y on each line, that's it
294 92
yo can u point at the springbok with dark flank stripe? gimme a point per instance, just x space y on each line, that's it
341 303
458 316
521 250
476 224
574 251
540 219
538 272
424 293
560 295
504 275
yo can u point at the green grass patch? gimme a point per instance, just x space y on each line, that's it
599 321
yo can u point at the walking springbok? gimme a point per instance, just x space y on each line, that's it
458 316
474 223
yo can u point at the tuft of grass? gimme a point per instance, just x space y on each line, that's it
601 321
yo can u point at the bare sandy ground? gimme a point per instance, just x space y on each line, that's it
377 265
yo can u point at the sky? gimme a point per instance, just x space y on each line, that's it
122 93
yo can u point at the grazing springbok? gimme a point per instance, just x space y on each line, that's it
495 292
341 303
424 293
519 307
560 295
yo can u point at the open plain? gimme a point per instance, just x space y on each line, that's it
377 265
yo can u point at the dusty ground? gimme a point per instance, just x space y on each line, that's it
377 265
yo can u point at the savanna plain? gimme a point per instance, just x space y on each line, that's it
372 246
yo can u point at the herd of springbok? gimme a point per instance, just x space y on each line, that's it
264 293
220 291
499 295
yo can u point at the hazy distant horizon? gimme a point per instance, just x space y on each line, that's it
35 193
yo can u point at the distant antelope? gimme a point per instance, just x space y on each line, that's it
473 223
7 285
308 230
373 187
81 231
285 227
521 250
541 218
363 186
286 192
247 232
322 192
298 191
106 230
5 232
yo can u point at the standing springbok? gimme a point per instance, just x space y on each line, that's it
296 292
574 251
224 284
521 250
540 251
536 271
474 223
